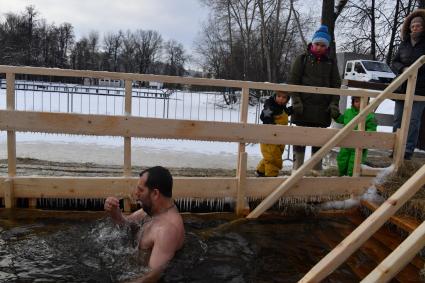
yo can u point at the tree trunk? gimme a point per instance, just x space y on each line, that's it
394 30
328 19
263 41
372 31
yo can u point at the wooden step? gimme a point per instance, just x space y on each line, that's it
377 252
391 241
406 223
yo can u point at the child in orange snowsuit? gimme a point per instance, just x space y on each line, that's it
274 112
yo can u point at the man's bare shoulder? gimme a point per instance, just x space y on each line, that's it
170 226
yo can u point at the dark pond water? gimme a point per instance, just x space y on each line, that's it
41 246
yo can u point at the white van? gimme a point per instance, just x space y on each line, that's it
368 71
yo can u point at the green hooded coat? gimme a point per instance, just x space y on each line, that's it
345 158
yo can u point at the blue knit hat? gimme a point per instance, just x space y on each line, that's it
322 35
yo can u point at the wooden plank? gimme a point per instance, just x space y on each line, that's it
241 189
243 119
405 122
242 157
11 153
9 193
197 81
378 251
406 223
350 244
11 135
369 171
359 151
399 258
127 140
313 186
184 187
389 239
309 164
126 126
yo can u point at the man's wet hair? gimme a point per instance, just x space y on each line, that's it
159 178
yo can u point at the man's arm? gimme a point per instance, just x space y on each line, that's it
164 248
112 206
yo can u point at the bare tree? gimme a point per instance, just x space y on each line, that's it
112 43
148 47
174 58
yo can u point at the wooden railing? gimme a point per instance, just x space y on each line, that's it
127 126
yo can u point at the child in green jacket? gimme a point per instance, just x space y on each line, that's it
345 158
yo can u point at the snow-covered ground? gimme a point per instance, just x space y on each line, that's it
146 103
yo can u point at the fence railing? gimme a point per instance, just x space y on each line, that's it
131 126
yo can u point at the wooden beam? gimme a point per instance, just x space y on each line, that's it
399 258
127 140
242 156
102 125
243 120
9 193
405 122
370 171
11 135
295 177
241 189
184 187
197 81
309 186
406 223
363 232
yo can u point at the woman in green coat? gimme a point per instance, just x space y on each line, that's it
345 158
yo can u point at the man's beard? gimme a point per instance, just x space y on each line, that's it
147 207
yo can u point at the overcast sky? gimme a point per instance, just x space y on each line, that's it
173 19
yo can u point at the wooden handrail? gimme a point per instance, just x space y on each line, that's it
197 81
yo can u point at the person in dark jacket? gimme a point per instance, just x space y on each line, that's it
314 68
275 112
411 48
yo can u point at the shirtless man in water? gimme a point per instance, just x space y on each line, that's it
163 230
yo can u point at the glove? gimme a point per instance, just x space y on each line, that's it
297 109
334 111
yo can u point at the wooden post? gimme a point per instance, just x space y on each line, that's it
10 201
11 135
127 140
359 151
309 164
9 196
363 232
242 156
241 207
405 122
399 258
